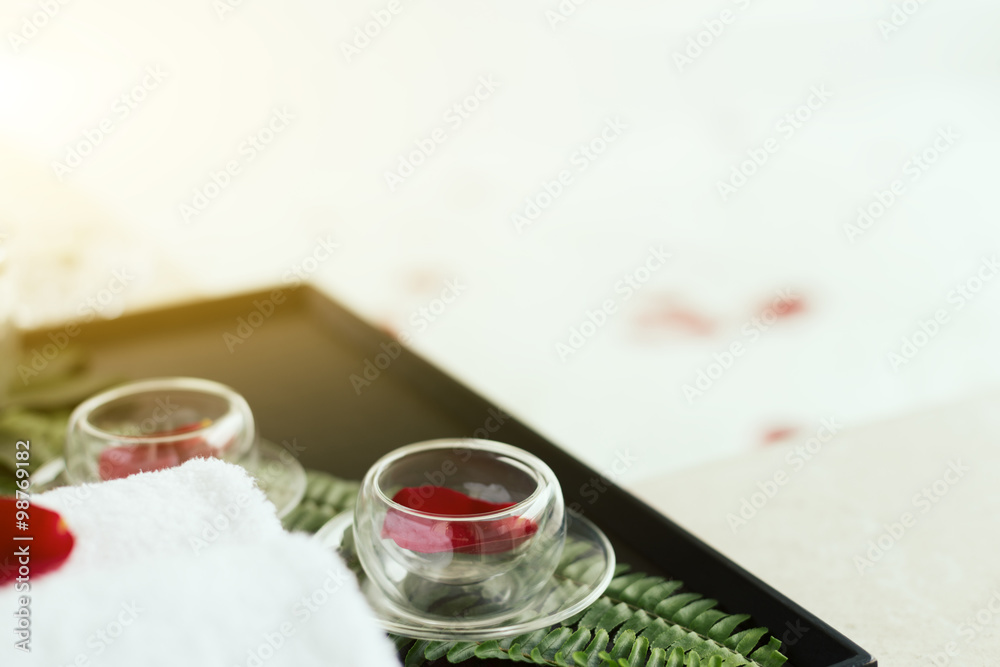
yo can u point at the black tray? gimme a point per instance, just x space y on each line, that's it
295 369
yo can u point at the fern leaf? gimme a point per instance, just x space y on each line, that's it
643 638
623 645
415 656
673 604
490 649
437 650
462 651
572 552
552 643
607 660
637 656
637 622
575 643
663 634
743 642
325 497
656 623
575 619
614 617
634 591
768 655
690 612
591 656
656 593
657 658
596 612
724 628
676 658
706 620
621 583
523 644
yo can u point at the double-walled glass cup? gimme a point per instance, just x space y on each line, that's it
459 529
156 424
161 423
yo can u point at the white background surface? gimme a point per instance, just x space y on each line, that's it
657 184
832 535
622 394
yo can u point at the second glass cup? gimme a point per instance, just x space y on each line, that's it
156 424
160 423
468 529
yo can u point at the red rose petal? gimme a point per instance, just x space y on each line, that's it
778 434
785 307
432 535
118 462
50 545
444 501
125 460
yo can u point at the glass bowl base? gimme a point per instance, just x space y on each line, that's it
586 569
280 475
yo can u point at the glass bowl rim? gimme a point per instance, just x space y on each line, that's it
236 404
545 478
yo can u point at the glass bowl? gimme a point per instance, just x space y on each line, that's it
160 423
467 518
465 539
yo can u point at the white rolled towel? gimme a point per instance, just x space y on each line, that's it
190 566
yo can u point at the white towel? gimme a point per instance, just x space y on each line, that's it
190 566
